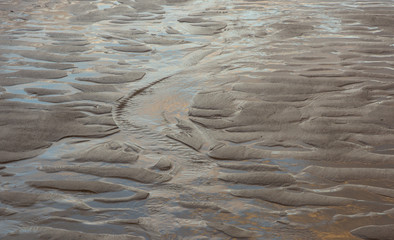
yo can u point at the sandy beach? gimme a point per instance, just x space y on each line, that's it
190 119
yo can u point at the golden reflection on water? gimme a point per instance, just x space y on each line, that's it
333 234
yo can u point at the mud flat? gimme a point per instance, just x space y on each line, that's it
196 119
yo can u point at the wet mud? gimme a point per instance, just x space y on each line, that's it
188 119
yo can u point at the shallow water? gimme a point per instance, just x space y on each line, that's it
302 86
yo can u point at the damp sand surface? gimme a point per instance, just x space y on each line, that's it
196 119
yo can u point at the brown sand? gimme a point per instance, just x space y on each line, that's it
180 119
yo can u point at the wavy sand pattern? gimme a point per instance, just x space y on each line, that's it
177 119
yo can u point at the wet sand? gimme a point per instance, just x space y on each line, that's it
196 119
